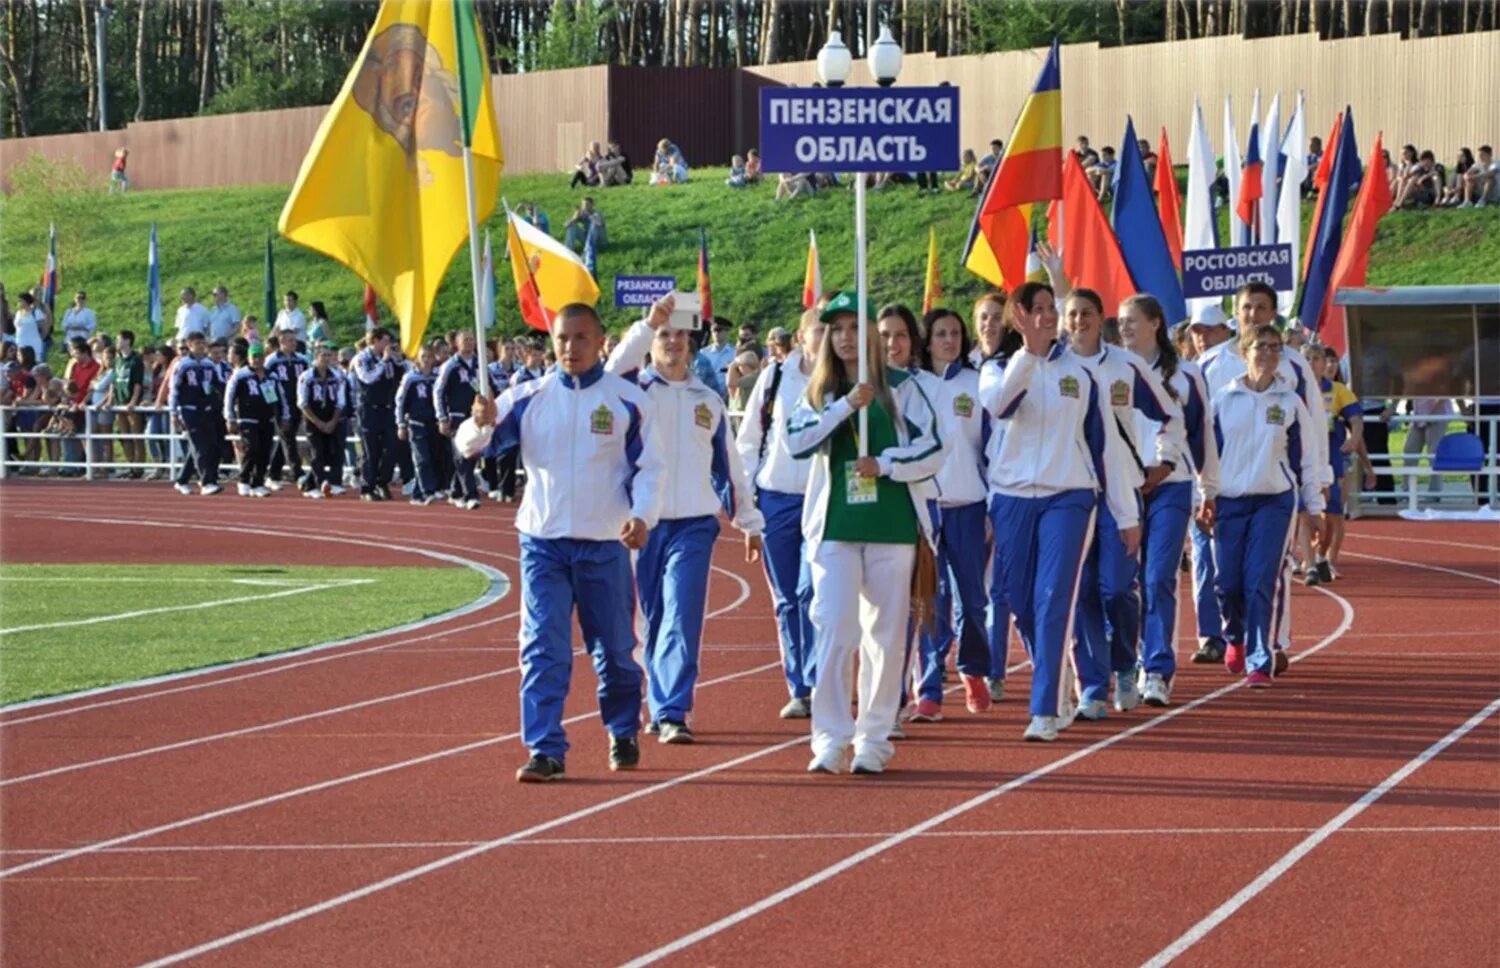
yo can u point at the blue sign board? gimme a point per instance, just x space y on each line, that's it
642 290
1221 272
851 129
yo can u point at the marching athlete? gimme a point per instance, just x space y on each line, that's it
1263 428
1060 451
322 398
253 407
863 519
286 367
672 568
457 386
779 479
379 369
586 507
1168 498
416 424
190 401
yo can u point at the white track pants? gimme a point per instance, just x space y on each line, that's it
846 576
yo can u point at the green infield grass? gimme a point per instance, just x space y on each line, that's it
69 627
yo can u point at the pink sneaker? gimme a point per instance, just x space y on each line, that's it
927 711
976 694
1258 680
1234 657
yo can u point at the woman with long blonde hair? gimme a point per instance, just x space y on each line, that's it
866 521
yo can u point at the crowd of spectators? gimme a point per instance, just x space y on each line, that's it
1419 180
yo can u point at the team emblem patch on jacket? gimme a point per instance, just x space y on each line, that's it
1275 415
963 406
703 417
1068 386
1119 394
602 421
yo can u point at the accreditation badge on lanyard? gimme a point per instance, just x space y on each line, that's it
860 489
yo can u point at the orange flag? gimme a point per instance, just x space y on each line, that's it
1090 252
1353 265
1320 182
1168 199
812 280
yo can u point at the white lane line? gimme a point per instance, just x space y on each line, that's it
451 859
228 734
498 588
140 613
1413 564
325 785
174 580
916 830
801 836
261 727
1273 873
1404 540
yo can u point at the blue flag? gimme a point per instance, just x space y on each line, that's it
1332 206
590 256
1138 227
153 285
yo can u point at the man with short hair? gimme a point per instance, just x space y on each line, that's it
586 507
1481 183
378 368
720 352
191 316
223 316
287 367
79 320
291 319
457 386
416 424
190 401
322 396
130 389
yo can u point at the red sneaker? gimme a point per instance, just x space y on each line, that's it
976 694
1258 680
1234 657
927 711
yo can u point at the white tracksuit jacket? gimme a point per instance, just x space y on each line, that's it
1263 443
1198 460
966 429
778 470
1131 388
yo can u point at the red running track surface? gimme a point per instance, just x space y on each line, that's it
354 806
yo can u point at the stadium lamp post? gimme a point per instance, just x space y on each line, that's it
102 13
834 66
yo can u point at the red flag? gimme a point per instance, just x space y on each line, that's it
1169 200
1090 252
1353 265
705 290
372 307
1247 206
1320 182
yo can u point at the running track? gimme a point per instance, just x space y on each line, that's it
355 806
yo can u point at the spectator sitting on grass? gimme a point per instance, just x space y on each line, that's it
968 174
586 172
987 164
614 168
576 231
669 166
736 177
1101 174
1453 188
1404 169
1314 158
1087 156
790 186
1423 183
1481 183
1148 158
536 217
753 174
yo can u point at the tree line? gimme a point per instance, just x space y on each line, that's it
177 58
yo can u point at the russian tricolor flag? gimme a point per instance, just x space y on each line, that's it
1247 206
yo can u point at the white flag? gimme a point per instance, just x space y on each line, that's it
1289 204
1270 151
487 285
1201 231
1239 231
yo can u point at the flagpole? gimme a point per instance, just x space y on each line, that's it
468 155
861 286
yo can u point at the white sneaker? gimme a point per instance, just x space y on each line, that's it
209 490
409 488
275 485
242 489
1043 729
1127 696
183 488
1157 691
494 496
1092 710
315 495
472 504
259 492
867 764
337 490
829 762
898 730
457 502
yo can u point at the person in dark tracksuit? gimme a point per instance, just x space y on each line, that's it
322 399
457 385
416 423
286 367
499 470
379 369
218 355
253 408
190 400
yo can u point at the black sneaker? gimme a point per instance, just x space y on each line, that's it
652 728
1311 579
624 753
382 492
1210 650
1325 571
676 734
540 769
1280 663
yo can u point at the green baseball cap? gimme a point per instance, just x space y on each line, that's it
846 302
